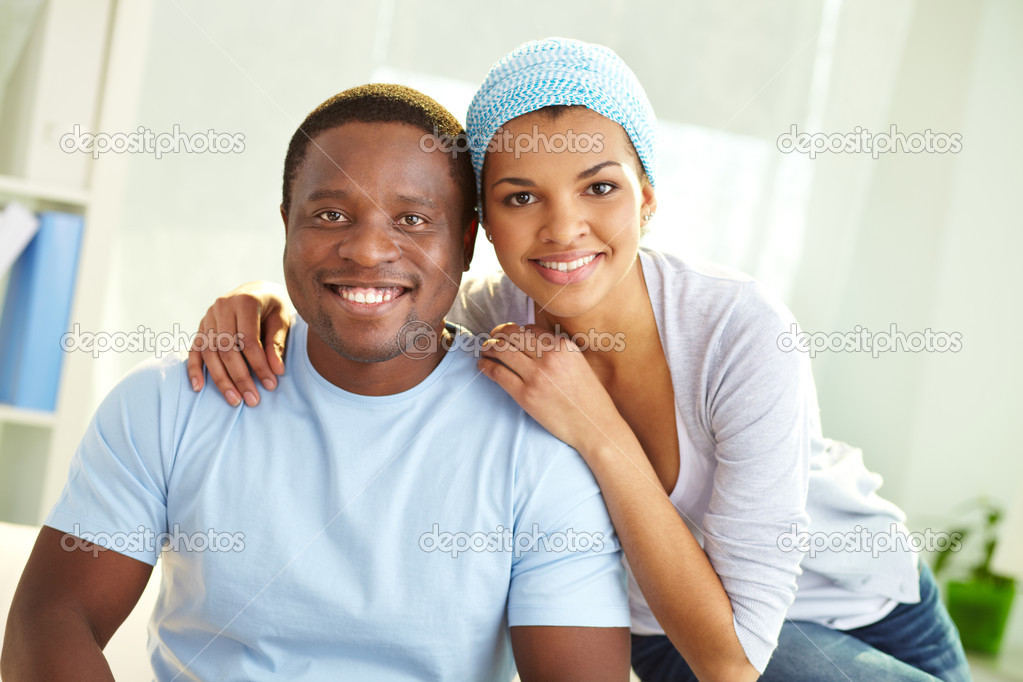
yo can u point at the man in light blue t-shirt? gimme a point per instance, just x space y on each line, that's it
384 514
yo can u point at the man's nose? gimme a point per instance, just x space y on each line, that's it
372 242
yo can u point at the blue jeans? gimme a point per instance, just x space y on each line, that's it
913 642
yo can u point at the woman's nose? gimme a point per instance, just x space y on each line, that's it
564 224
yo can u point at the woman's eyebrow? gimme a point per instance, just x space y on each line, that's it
521 182
590 172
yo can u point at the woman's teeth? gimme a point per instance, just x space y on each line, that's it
569 266
368 295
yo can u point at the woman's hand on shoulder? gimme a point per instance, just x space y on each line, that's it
242 335
549 377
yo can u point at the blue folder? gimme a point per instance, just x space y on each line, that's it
36 311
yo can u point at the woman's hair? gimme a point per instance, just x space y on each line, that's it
383 103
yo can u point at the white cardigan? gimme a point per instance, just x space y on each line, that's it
756 474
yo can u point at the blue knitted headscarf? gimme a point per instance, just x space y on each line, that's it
561 71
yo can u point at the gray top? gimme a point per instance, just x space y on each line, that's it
756 476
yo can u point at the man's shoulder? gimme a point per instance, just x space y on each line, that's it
153 377
491 404
464 377
157 393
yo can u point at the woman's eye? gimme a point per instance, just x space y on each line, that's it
601 188
331 216
520 199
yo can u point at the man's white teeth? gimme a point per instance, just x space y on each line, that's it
367 295
569 266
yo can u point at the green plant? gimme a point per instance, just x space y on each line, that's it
980 602
979 572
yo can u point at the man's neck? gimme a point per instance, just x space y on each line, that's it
388 377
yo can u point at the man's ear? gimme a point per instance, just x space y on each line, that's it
469 243
284 217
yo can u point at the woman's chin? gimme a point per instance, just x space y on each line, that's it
562 306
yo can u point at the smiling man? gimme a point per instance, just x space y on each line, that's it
383 515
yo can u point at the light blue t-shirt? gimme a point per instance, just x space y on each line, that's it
329 535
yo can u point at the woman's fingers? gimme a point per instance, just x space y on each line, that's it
221 378
500 374
275 332
249 340
216 345
529 339
501 352
194 365
241 335
234 359
200 344
524 362
549 377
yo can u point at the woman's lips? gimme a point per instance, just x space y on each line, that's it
559 270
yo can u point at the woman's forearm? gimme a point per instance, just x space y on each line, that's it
560 390
676 578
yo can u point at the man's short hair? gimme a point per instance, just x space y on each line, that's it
385 103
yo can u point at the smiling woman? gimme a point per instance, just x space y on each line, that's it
540 207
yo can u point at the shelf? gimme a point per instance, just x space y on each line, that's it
9 414
79 62
18 187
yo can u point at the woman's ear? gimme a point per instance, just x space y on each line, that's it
649 206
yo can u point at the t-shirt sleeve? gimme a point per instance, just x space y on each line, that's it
761 409
567 568
116 492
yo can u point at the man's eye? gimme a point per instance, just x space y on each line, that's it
411 221
331 216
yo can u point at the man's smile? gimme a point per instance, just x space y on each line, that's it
369 295
363 299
